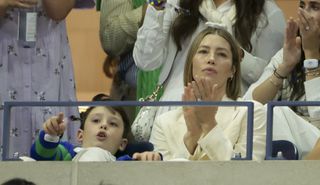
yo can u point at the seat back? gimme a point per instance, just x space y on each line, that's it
284 150
135 147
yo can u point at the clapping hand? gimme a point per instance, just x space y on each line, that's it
199 119
291 48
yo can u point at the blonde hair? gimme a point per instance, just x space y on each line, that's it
233 84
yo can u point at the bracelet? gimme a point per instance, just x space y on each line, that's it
276 74
314 73
278 85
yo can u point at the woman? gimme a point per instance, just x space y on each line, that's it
286 77
212 73
166 34
40 73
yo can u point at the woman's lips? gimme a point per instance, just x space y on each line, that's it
209 70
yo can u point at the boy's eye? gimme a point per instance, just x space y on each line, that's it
96 120
114 124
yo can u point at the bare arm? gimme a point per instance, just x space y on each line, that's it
58 9
267 90
315 152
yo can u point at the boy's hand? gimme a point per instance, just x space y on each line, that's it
55 126
147 156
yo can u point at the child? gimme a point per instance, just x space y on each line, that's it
102 133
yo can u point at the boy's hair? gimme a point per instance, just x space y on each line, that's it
114 110
18 181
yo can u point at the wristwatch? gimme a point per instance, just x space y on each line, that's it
311 63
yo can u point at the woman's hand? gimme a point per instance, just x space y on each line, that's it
310 33
18 3
291 49
205 90
193 128
55 126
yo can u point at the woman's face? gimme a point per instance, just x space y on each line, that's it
312 7
213 59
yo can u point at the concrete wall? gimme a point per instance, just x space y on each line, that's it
165 173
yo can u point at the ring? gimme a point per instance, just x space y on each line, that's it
307 28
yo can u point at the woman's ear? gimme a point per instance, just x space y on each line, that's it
80 136
123 144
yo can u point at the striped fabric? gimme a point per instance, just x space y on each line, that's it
127 69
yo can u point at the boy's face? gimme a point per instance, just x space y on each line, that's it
103 128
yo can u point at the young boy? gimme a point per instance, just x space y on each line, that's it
102 133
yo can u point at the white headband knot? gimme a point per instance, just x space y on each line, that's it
217 25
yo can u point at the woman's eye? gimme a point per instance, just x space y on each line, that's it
222 54
202 51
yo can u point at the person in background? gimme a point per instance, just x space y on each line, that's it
294 72
18 181
169 27
212 73
119 24
41 71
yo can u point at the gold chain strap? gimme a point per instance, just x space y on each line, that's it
153 95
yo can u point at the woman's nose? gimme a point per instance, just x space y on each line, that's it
211 59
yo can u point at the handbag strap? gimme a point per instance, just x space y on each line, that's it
154 95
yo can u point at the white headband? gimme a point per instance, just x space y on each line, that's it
216 25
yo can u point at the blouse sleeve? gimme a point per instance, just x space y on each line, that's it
268 71
150 49
268 40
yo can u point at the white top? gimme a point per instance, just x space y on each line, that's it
155 47
221 143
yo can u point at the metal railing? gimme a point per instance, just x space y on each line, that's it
9 104
270 107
